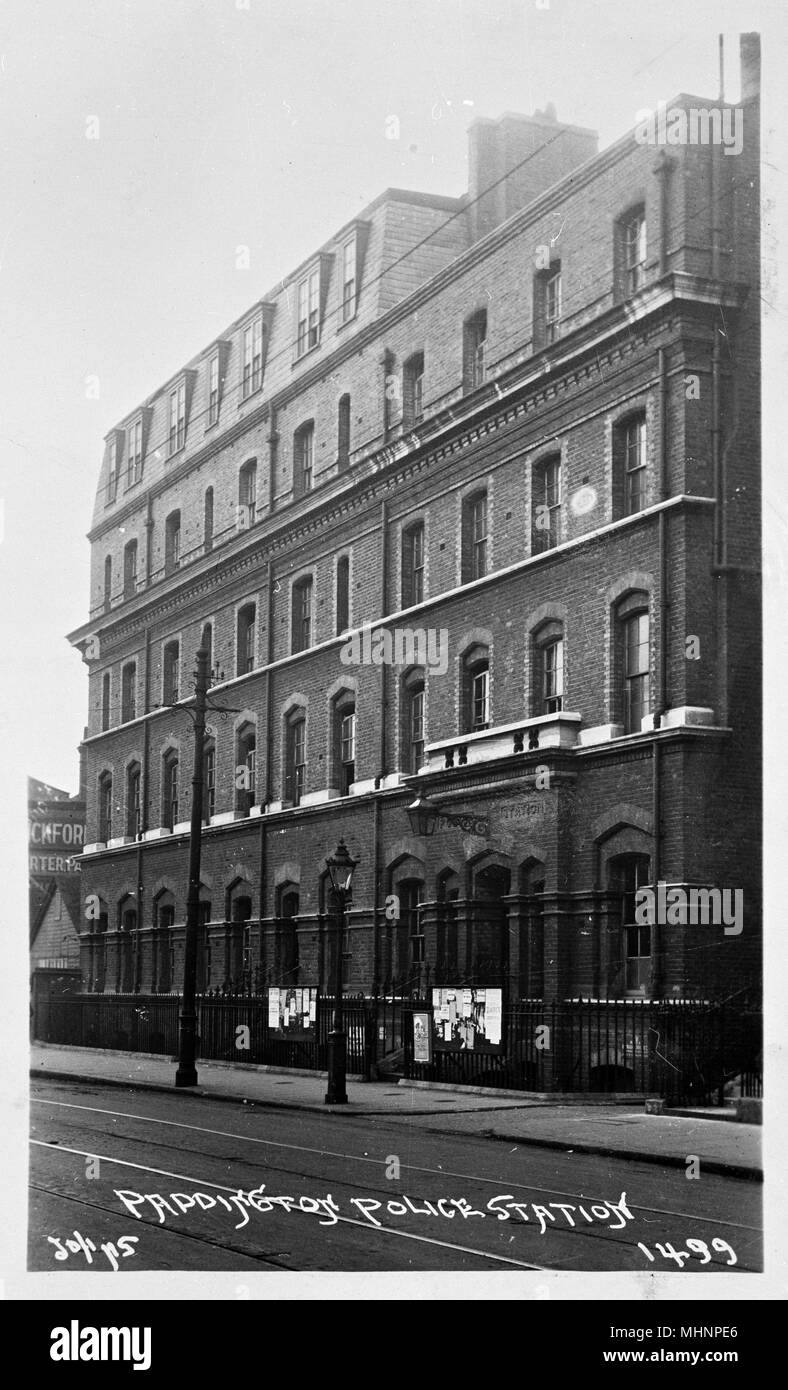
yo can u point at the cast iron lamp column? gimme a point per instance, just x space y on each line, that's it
340 868
186 1074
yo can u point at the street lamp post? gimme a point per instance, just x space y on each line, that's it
186 1074
340 868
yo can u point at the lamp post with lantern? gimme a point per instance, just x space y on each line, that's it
424 815
340 867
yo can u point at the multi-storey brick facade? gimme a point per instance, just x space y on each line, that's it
557 482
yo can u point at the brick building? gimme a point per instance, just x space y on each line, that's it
509 442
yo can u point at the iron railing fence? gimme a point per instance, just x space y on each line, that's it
230 1028
686 1051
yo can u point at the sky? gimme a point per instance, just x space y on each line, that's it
145 142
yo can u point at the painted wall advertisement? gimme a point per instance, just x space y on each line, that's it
467 1020
293 1012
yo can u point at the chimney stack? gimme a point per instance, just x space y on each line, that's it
515 159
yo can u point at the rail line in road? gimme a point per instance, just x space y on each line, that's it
208 1146
208 1182
380 1162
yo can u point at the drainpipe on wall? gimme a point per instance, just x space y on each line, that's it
376 901
383 611
387 363
148 544
269 739
273 442
719 556
144 783
661 701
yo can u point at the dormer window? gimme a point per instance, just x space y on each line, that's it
253 357
349 279
134 454
112 471
177 436
308 312
213 390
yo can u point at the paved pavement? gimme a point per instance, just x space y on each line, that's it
620 1131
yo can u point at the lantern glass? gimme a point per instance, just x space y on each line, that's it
422 815
340 868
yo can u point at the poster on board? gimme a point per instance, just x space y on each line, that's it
293 1012
467 1020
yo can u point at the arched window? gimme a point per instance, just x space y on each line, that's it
245 769
474 337
245 639
287 955
130 569
295 757
630 465
301 623
413 391
128 696
490 941
413 721
409 954
126 981
107 582
547 306
446 954
532 884
172 542
547 680
206 642
171 662
163 944
170 805
203 948
628 873
207 522
413 564
474 537
632 662
303 458
239 944
546 504
344 742
247 493
476 690
630 252
343 432
99 954
343 594
133 801
209 781
105 808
